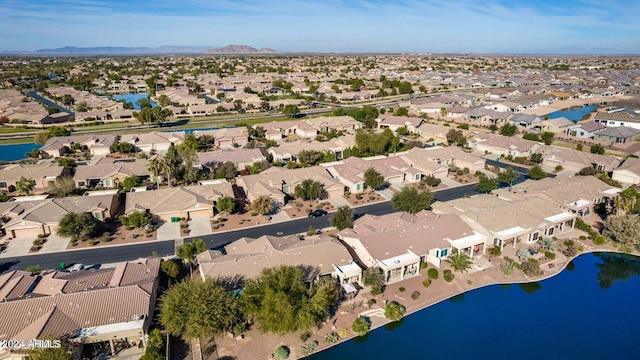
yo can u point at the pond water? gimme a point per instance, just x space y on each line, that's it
133 98
589 311
574 113
14 152
190 131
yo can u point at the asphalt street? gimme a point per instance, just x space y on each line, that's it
167 248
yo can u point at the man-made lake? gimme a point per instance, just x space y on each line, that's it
133 98
15 152
589 311
574 113
191 131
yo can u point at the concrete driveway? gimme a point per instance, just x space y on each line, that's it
200 227
18 247
169 231
54 243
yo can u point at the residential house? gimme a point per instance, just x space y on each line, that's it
227 137
578 194
43 216
278 183
427 166
435 134
398 242
485 116
510 222
503 145
338 123
556 126
242 158
189 202
98 145
584 130
395 122
618 134
288 151
109 172
350 172
89 306
317 255
525 121
153 141
452 155
618 118
42 175
574 160
628 172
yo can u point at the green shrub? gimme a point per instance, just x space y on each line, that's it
432 273
281 352
582 237
370 302
394 311
426 282
448 275
599 240
360 326
423 265
344 333
549 255
376 290
415 295
305 336
92 242
332 338
309 348
531 268
34 248
401 289
38 242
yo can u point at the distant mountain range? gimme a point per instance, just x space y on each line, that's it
167 49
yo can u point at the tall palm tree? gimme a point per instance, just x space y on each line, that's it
155 167
625 201
459 262
25 185
168 167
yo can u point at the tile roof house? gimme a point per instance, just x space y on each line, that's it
42 174
515 221
628 172
395 122
226 137
154 141
89 306
188 202
618 118
525 121
394 169
277 183
584 130
557 125
109 172
98 145
575 160
43 216
288 151
503 145
578 194
618 134
245 258
451 155
242 158
338 123
399 242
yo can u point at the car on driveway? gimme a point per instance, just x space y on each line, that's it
317 213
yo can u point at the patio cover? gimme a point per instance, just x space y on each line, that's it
468 241
510 233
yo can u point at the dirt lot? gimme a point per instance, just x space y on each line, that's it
364 198
117 235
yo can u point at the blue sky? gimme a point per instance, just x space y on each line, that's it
488 26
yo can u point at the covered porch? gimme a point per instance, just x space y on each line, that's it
560 223
472 245
400 267
511 236
349 274
580 207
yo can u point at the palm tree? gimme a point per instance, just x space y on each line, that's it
155 167
261 205
25 185
168 167
625 201
459 262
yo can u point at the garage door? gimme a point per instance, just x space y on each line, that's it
199 214
26 233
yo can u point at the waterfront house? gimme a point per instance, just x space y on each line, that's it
317 255
98 145
398 242
514 222
91 306
153 141
556 126
618 118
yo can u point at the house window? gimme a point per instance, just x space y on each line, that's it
534 236
107 182
550 232
3 184
80 183
358 187
444 252
285 189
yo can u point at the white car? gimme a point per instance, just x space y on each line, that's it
77 267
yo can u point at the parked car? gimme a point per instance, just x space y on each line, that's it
317 213
77 267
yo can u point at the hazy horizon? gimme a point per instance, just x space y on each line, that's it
574 27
